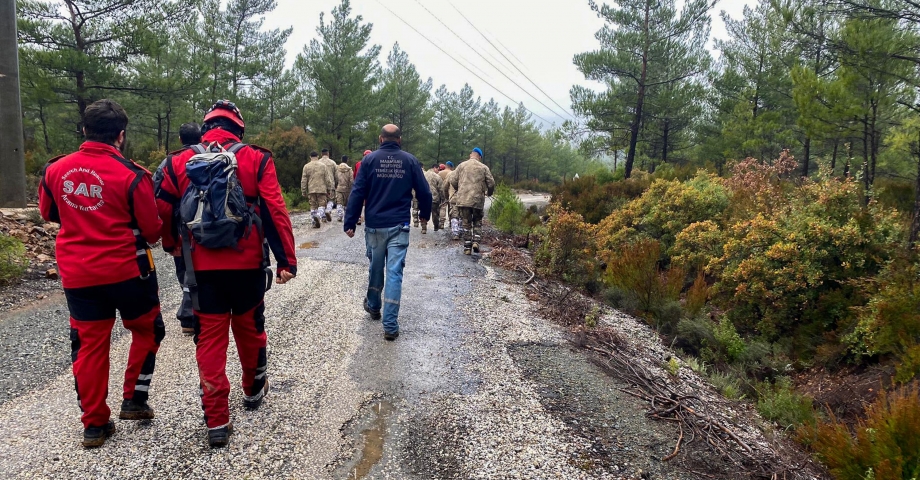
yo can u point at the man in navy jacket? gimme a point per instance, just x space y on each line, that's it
385 182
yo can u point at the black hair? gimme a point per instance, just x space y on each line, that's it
325 150
345 158
223 124
190 133
313 154
390 136
104 120
435 165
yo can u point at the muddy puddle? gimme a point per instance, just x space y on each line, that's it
371 432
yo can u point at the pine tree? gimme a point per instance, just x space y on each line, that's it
639 41
87 43
445 126
404 99
340 72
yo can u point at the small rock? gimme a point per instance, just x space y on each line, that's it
51 273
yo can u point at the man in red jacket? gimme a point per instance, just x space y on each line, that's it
108 216
231 282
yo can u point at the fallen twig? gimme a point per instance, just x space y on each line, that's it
676 447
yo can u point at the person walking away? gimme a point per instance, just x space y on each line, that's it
386 180
448 209
344 181
190 136
108 216
358 167
472 181
434 185
443 172
228 284
330 195
314 185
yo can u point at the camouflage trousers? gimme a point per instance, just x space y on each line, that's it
472 224
317 201
442 213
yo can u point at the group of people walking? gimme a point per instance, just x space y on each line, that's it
458 195
217 207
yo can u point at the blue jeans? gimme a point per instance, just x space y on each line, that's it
386 247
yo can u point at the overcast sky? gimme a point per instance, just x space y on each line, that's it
541 37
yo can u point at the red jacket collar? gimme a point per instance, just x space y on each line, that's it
99 148
220 136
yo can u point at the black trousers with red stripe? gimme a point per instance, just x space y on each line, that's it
92 317
229 300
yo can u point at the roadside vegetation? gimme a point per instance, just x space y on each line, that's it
13 260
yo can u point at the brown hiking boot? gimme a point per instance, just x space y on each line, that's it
131 410
220 437
95 436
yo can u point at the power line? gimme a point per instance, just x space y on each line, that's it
459 63
487 60
509 61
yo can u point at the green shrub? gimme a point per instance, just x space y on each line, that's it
694 334
890 322
635 268
663 211
291 150
665 315
886 443
728 384
566 251
595 198
508 214
13 261
729 340
534 186
294 201
778 402
790 274
622 300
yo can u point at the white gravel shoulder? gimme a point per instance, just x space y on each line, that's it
508 432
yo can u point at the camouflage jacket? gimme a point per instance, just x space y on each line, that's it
315 178
435 184
330 169
343 178
472 181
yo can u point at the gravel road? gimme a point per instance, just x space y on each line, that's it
477 386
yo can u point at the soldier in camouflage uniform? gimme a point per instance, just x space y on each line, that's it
330 195
344 178
315 185
434 184
473 182
448 210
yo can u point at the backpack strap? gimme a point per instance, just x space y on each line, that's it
235 148
189 282
144 255
198 148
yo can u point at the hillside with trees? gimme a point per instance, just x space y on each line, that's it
755 198
168 68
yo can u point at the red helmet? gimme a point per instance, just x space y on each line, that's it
367 152
226 109
442 166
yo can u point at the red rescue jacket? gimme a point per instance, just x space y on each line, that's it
256 171
107 213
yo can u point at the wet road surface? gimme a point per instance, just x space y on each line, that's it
450 398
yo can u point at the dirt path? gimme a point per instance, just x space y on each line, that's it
477 386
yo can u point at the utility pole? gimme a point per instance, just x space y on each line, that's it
12 159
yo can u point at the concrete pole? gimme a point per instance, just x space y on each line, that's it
12 159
